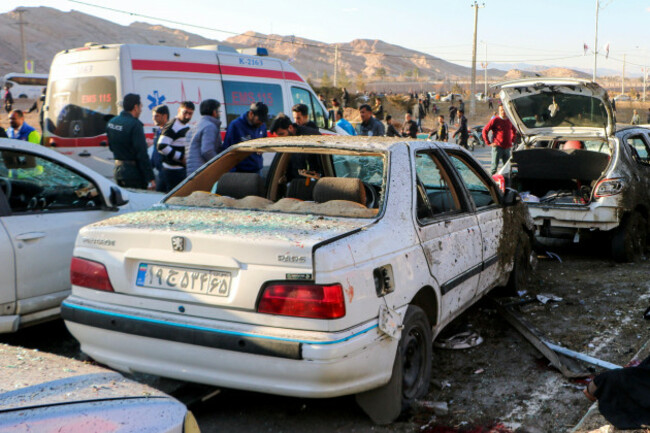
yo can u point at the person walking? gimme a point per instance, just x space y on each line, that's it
452 113
442 133
462 130
369 125
248 126
160 117
391 131
127 142
206 141
345 98
636 119
461 105
172 143
344 124
503 135
420 113
378 110
20 130
409 128
8 98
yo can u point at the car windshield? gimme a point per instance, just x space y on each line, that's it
328 182
553 109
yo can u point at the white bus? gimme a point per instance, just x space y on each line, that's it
26 85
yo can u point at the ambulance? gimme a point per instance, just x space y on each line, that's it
87 85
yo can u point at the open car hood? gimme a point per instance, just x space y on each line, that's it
556 107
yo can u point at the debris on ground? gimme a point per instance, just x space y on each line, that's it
545 298
462 340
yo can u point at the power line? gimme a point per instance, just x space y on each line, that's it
310 45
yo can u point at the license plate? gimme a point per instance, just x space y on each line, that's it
215 283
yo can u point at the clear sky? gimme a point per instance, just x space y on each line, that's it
547 32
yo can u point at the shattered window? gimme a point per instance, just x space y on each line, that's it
480 190
640 149
549 109
35 184
437 194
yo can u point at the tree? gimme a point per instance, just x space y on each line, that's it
325 80
381 73
416 73
360 82
408 74
343 79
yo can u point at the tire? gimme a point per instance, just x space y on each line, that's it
411 371
521 267
629 240
472 143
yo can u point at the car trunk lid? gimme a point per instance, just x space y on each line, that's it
558 107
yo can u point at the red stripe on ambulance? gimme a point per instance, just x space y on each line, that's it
205 68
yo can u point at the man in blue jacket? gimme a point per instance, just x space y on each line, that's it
248 126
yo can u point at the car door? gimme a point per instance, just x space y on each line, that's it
48 204
448 231
638 143
489 213
7 270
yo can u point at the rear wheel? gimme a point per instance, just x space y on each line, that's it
629 239
521 266
411 371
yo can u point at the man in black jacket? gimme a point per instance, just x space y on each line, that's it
462 129
442 133
391 131
301 116
410 128
172 144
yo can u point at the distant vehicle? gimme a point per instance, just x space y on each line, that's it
622 97
577 173
26 85
45 198
88 83
451 97
480 96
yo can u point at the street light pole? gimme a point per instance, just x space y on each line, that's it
20 12
596 42
472 97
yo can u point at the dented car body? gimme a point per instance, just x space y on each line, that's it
328 276
576 173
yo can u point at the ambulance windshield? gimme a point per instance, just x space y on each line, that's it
81 106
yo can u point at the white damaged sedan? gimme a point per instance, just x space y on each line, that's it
45 198
329 275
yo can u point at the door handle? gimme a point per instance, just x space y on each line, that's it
30 236
84 153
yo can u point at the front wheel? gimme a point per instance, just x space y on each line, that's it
521 266
629 239
411 371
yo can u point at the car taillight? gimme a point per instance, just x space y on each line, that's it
86 273
500 181
609 187
315 301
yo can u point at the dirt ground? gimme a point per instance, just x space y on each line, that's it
503 385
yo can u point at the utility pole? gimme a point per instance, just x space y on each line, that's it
20 12
596 42
645 77
623 77
472 97
336 65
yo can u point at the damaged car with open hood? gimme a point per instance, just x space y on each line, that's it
576 172
330 274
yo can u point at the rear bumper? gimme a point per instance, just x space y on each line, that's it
303 364
577 217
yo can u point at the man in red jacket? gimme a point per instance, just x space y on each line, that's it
503 133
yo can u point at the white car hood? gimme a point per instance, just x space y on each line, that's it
558 107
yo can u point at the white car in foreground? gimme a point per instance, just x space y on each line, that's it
45 198
329 276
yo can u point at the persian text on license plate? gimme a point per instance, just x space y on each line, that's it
216 283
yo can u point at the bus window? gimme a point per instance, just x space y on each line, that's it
240 95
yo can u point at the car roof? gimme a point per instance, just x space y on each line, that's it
357 143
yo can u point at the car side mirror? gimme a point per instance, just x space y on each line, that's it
511 197
116 198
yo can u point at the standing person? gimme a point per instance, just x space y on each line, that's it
391 131
206 141
462 129
503 133
490 105
8 98
344 124
20 130
369 125
442 133
636 119
345 97
248 126
461 105
452 113
613 104
160 117
410 128
172 144
419 113
378 110
127 142
301 116
647 118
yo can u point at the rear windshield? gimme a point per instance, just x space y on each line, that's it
550 109
81 107
325 182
